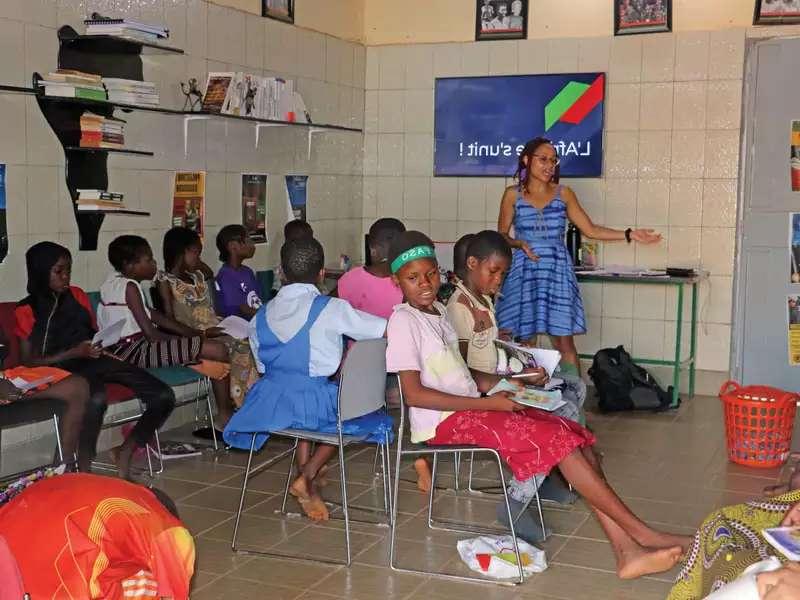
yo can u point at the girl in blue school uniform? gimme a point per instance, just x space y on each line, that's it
297 341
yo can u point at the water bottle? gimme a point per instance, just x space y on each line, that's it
574 244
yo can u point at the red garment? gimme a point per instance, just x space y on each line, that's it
83 536
531 442
25 319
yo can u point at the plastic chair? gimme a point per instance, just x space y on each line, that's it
448 524
362 390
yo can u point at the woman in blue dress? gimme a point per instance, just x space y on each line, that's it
540 293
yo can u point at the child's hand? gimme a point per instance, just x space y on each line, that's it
213 332
538 376
527 250
502 401
85 350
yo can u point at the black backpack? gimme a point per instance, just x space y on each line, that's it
621 384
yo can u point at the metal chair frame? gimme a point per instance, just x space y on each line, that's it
349 374
452 525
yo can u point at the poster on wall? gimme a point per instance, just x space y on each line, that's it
642 16
794 156
777 12
254 206
793 308
188 200
296 196
794 246
481 124
3 221
501 20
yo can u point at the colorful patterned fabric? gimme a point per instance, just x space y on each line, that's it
728 542
97 537
541 296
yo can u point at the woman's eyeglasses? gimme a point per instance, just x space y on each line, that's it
546 159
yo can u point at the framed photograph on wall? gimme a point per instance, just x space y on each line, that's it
282 10
642 16
501 20
776 12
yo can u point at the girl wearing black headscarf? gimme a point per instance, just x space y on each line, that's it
55 324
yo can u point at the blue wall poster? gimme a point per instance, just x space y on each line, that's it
3 222
296 188
482 123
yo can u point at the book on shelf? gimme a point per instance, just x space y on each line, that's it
73 76
91 194
105 207
66 90
131 91
98 131
105 26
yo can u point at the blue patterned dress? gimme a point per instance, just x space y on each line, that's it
541 296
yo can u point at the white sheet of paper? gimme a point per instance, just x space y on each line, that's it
26 386
544 357
236 327
110 335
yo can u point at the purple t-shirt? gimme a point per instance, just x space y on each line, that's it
236 287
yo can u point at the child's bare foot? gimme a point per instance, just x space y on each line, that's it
639 561
423 475
311 502
321 480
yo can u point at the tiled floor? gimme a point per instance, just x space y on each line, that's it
670 468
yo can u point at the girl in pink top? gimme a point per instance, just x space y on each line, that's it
371 289
448 404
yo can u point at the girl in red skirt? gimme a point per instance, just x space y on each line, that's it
448 405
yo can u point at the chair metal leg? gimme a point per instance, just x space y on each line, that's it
375 460
244 491
288 478
342 472
510 516
387 469
433 487
471 467
457 469
58 439
211 413
395 495
160 460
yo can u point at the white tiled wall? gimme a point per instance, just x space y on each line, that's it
329 73
671 159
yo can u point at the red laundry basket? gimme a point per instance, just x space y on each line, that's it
758 423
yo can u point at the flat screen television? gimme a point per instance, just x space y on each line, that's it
482 123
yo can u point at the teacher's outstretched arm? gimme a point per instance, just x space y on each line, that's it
582 221
506 219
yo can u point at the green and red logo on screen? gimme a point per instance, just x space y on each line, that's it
573 103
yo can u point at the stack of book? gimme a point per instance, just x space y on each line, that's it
99 200
127 28
101 132
68 83
131 91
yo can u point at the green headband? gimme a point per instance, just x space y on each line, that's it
412 254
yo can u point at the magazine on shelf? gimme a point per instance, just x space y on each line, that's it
217 85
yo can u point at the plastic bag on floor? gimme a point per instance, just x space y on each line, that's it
494 556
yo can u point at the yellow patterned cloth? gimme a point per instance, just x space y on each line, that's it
193 306
728 542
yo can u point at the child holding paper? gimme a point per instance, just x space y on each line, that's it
448 404
56 325
185 294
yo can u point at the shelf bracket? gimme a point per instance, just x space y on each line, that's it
186 120
311 132
260 125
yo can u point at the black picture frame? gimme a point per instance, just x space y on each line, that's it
514 10
762 17
271 11
647 23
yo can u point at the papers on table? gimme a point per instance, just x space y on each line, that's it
236 327
110 335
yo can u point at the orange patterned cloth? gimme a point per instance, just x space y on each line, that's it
83 536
